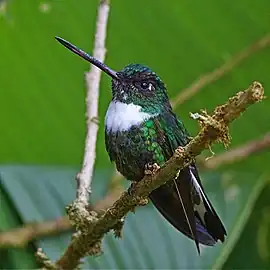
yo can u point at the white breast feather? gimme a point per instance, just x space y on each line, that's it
121 116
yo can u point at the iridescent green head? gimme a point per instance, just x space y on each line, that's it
135 83
139 85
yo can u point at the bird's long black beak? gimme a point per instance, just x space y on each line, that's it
88 57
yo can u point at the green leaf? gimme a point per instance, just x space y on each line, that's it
9 218
41 193
255 239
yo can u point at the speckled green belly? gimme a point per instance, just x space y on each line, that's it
131 150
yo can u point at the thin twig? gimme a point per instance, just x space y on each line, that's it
20 237
84 177
237 153
216 74
214 129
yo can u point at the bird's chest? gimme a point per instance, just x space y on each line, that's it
131 150
131 140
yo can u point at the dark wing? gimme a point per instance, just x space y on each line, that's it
183 202
204 210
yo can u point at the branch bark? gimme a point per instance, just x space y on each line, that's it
214 129
216 74
92 78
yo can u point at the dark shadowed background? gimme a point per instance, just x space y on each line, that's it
42 123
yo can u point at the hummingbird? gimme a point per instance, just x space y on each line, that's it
141 129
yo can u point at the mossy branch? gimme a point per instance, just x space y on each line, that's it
214 129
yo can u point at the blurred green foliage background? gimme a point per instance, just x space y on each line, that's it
43 127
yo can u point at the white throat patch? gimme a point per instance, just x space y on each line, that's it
121 116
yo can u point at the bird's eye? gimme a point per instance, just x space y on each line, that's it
147 85
144 85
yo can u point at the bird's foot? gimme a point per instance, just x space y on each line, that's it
131 187
181 153
151 169
137 199
179 149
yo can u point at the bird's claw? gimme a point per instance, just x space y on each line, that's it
151 169
131 187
